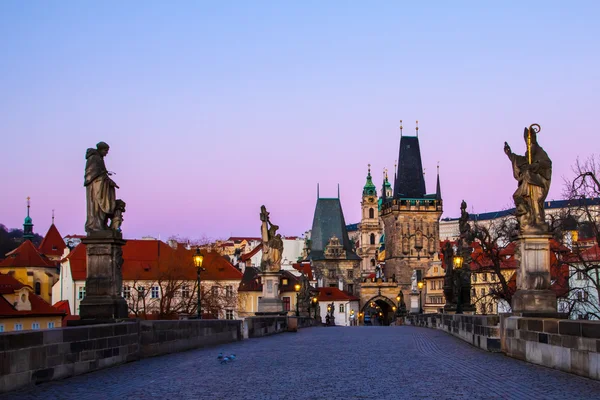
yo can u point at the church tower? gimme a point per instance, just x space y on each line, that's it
28 224
410 217
370 227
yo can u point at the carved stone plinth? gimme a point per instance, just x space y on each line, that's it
103 300
533 276
414 302
270 303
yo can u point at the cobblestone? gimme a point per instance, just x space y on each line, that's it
328 363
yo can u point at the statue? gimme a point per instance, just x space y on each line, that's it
102 203
533 171
413 281
463 223
272 244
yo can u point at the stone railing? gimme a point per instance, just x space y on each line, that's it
567 345
482 331
266 325
32 357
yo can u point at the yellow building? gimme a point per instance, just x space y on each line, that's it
434 288
21 309
250 291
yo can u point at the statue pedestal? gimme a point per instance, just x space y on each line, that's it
533 276
104 282
414 302
270 303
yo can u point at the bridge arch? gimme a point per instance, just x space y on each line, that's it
379 310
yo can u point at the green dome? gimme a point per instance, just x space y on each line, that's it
28 220
369 189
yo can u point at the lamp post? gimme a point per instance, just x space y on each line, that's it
420 285
198 263
458 264
314 301
297 288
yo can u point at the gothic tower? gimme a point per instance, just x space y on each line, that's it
370 227
410 217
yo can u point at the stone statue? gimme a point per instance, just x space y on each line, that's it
102 203
533 172
413 281
463 222
272 244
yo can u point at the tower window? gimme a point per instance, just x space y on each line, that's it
372 238
38 288
372 262
371 213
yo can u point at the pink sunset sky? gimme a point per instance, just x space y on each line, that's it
213 110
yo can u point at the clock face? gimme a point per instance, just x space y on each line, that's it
370 200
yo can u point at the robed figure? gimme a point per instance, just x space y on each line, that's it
102 203
533 172
272 243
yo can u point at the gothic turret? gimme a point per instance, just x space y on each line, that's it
369 189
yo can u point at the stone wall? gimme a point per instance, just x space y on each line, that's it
164 337
32 357
266 325
482 331
567 345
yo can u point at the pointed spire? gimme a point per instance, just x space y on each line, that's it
400 128
383 194
338 190
438 189
28 223
317 191
52 216
369 188
417 128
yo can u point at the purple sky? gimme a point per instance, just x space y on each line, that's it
212 110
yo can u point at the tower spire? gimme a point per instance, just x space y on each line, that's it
400 128
317 191
28 223
338 190
369 188
53 216
417 128
438 189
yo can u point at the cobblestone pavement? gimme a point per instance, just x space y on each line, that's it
328 363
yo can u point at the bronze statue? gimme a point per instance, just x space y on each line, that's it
102 202
533 171
272 244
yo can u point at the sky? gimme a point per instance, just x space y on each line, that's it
212 109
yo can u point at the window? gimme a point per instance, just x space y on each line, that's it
432 285
473 293
286 303
215 289
351 289
1 327
18 327
350 274
371 214
341 308
185 291
50 325
284 281
435 270
490 308
483 291
228 314
582 275
81 292
127 292
579 295
229 291
474 277
484 277
331 273
372 239
154 293
38 288
141 291
372 262
35 325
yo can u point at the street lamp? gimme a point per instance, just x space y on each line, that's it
315 300
351 317
420 285
458 264
198 259
297 288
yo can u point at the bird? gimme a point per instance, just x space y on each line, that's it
232 357
225 360
220 356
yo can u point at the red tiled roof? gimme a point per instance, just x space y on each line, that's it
305 268
26 255
9 285
583 255
75 236
52 244
63 305
247 256
334 294
154 260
